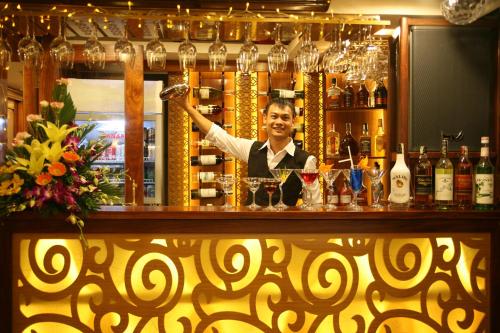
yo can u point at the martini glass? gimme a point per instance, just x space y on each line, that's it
308 176
330 176
253 185
270 185
356 183
227 182
282 176
375 175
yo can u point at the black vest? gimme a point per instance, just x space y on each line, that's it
257 167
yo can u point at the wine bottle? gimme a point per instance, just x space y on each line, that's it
380 95
284 93
211 109
204 193
400 182
206 176
348 141
443 176
483 180
195 127
463 179
380 139
365 141
348 96
204 144
207 160
334 95
423 181
206 92
362 96
332 142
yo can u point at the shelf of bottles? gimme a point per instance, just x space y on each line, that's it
356 117
212 94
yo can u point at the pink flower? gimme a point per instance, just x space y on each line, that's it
57 105
20 137
34 117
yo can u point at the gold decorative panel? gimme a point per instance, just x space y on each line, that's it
313 114
246 122
178 150
288 283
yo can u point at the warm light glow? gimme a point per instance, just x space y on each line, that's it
18 6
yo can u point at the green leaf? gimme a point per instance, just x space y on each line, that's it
68 112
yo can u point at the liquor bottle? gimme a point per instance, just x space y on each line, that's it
463 179
195 128
483 180
285 93
380 95
332 142
333 195
400 182
348 141
362 96
380 140
423 181
334 95
206 92
345 194
363 196
348 96
365 141
204 193
207 160
443 177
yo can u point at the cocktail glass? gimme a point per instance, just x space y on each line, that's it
375 175
253 184
330 176
270 185
227 182
356 183
282 176
308 176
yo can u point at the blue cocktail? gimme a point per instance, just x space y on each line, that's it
356 181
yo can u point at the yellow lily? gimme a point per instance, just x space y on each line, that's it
37 158
55 133
54 153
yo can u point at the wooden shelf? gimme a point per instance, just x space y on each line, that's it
354 109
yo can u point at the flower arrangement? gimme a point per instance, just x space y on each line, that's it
49 169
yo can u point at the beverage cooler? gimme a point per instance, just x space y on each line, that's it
106 108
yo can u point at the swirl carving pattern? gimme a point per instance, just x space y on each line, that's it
202 283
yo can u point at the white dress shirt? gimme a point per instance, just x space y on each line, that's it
240 149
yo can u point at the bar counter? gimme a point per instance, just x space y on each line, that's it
201 269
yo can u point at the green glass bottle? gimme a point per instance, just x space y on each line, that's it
443 177
483 178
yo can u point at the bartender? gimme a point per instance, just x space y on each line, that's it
277 152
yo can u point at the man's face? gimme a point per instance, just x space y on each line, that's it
279 122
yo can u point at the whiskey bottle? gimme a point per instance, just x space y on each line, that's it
332 142
206 92
334 95
284 93
348 96
348 141
400 182
443 176
195 128
483 180
463 180
380 95
380 140
207 160
365 141
363 96
423 181
204 193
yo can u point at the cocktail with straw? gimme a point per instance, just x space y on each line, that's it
330 175
356 182
282 176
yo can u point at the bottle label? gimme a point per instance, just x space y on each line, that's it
204 93
423 185
485 152
463 184
345 198
444 187
400 188
365 146
203 109
208 192
379 144
207 176
286 93
208 159
380 100
484 189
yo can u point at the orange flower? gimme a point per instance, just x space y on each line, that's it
70 156
43 179
57 169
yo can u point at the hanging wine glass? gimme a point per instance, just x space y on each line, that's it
217 52
277 58
21 46
32 53
355 73
370 66
462 11
331 54
61 51
124 49
187 52
249 53
5 52
308 54
156 54
94 52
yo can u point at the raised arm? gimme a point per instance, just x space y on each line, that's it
200 120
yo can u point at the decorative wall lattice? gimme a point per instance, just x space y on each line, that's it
313 114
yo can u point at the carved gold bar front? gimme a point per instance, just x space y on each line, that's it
252 283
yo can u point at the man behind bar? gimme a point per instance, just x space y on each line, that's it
277 152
